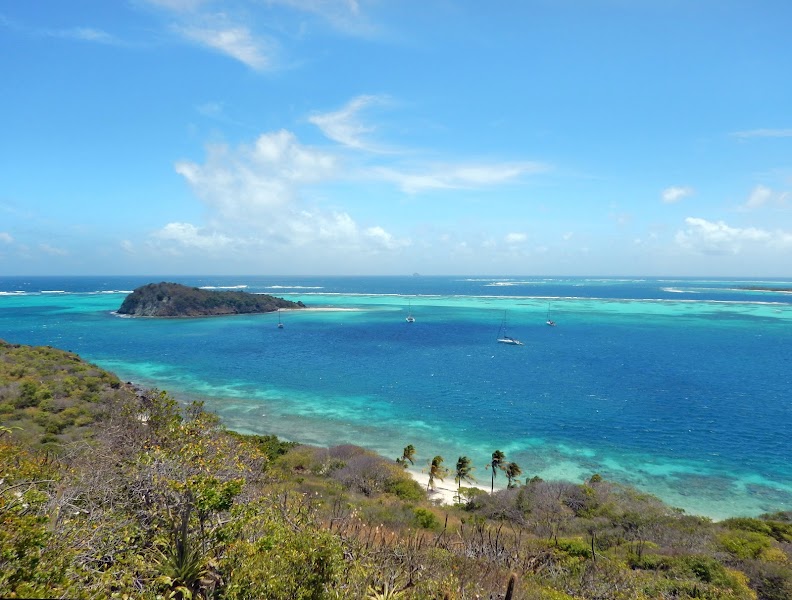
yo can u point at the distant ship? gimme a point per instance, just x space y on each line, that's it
507 339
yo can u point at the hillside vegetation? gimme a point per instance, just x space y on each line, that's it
110 491
176 300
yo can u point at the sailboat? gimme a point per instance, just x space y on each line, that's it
410 318
280 323
550 322
507 339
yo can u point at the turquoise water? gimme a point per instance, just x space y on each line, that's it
679 387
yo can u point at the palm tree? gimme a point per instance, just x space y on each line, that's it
513 471
498 458
464 468
408 454
436 471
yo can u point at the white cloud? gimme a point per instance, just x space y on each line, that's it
336 231
235 41
190 236
761 196
384 239
344 127
458 177
255 194
88 34
515 238
210 109
52 250
343 15
251 182
6 237
220 32
719 238
763 133
178 5
676 193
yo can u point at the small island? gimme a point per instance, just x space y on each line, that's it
176 300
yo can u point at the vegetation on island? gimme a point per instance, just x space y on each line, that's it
110 491
176 300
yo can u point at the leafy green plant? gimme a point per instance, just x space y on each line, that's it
182 563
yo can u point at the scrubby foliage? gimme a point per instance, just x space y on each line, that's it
176 300
49 397
155 500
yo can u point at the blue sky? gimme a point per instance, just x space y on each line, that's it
531 137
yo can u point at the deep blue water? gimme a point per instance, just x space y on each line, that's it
678 386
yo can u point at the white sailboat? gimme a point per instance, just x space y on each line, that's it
280 323
550 322
410 318
507 339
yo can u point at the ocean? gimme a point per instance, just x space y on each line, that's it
679 387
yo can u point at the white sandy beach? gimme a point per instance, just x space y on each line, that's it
444 491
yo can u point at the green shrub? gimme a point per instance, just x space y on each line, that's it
426 519
406 488
575 547
83 420
744 544
55 426
702 568
747 524
282 565
48 405
647 562
28 395
270 445
41 419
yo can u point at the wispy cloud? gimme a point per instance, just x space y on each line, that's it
6 237
52 250
344 125
676 193
458 177
179 5
515 238
211 109
708 237
227 32
86 34
345 16
763 133
235 41
762 196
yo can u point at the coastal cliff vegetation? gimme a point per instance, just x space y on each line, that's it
112 491
176 300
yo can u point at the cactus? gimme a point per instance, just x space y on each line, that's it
510 588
